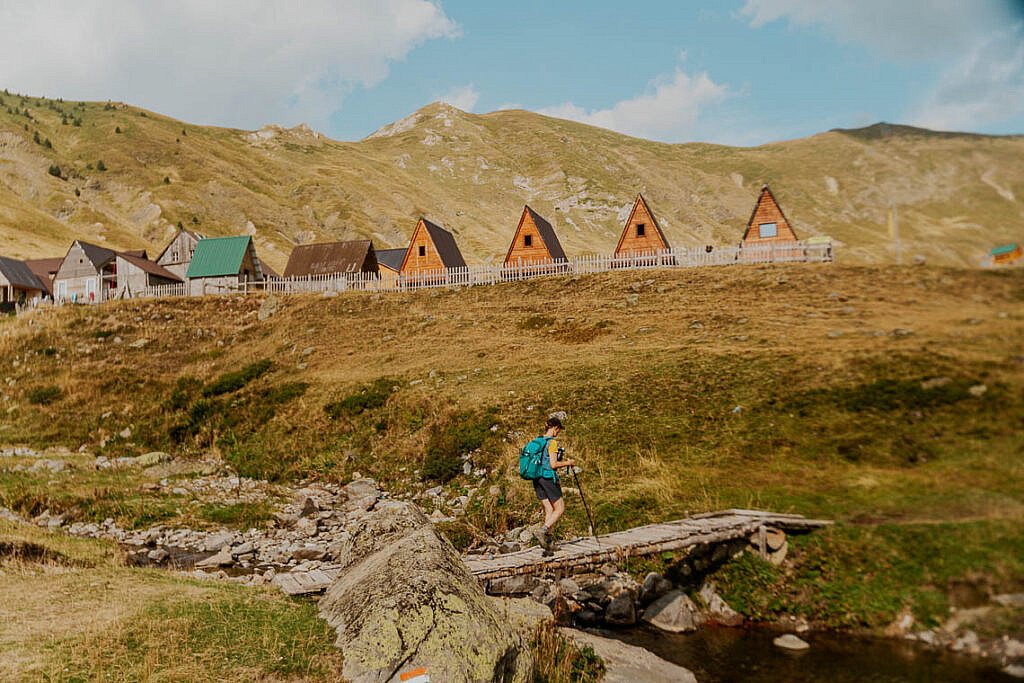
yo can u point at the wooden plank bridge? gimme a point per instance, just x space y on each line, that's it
582 554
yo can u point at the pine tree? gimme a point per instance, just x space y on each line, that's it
35 138
55 171
117 130
100 166
47 144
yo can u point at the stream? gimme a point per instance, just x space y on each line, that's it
719 655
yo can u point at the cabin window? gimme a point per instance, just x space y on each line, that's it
768 230
423 250
640 229
527 240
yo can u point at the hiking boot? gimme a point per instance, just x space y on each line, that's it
542 537
550 543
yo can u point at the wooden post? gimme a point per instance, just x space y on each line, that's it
762 541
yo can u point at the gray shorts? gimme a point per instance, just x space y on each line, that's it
547 489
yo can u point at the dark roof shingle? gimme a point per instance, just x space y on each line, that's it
20 275
547 233
445 244
328 258
391 258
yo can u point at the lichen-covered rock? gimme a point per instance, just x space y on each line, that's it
405 600
674 612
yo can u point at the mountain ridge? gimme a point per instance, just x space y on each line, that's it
958 193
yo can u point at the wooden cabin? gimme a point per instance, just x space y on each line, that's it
642 236
222 264
87 274
389 263
18 284
135 273
177 255
1006 254
767 224
534 242
45 269
432 248
332 258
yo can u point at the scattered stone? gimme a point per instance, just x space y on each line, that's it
978 390
1009 599
221 559
218 541
655 585
157 555
789 641
1015 670
718 610
935 383
139 343
126 433
621 611
309 553
902 332
150 459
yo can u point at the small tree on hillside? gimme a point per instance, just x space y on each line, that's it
117 130
54 171
47 144
100 166
35 138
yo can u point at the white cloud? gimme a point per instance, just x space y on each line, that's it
462 97
229 62
668 111
902 29
986 86
979 46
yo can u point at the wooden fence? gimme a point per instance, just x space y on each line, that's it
493 274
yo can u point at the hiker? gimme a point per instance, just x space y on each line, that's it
546 486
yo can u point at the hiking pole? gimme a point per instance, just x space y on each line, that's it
593 529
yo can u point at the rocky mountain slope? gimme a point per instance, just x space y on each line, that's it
958 194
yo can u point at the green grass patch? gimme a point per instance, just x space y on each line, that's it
238 515
236 379
459 435
366 398
864 576
44 396
229 634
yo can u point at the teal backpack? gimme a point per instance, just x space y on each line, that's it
531 458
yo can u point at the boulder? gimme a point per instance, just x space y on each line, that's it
674 612
218 541
513 585
655 585
221 559
790 642
268 307
308 552
718 610
621 611
629 663
405 600
150 459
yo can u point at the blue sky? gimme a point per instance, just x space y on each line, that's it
741 72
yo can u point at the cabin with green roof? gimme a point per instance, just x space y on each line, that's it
221 265
1008 253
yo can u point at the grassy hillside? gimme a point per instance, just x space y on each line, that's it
889 399
959 195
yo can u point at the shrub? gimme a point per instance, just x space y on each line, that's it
283 393
236 379
369 397
35 138
463 433
117 130
44 395
167 180
54 170
100 166
47 144
78 193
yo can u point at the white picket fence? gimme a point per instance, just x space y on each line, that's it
496 274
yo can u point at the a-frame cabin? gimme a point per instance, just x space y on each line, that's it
767 224
431 249
535 242
642 236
